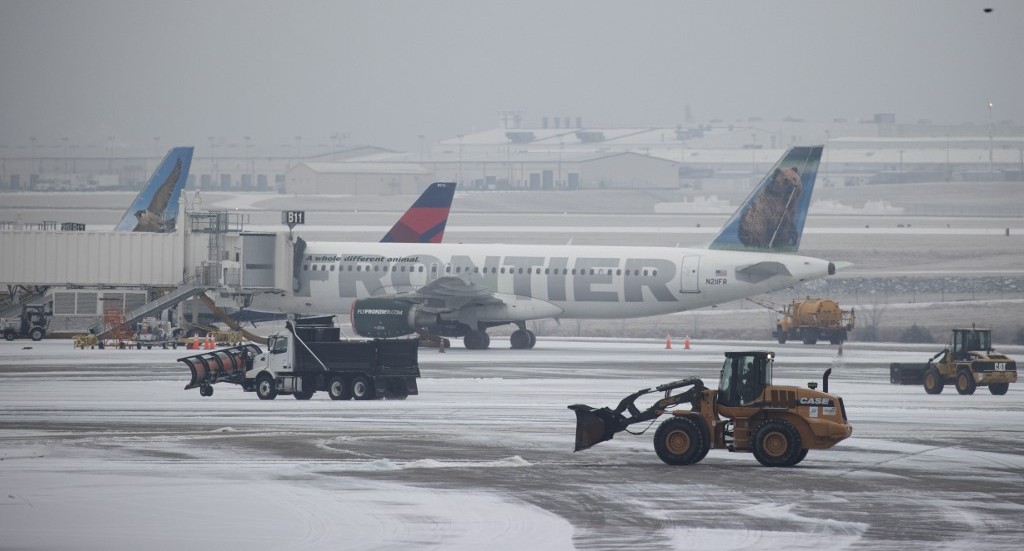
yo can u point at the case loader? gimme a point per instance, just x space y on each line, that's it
747 413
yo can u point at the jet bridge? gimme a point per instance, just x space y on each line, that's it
268 261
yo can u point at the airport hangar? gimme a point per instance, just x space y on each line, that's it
142 274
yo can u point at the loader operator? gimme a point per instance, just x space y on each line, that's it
747 391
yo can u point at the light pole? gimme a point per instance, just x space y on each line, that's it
458 177
990 136
248 161
213 164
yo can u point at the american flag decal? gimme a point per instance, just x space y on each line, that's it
720 273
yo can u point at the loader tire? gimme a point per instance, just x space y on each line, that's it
998 388
265 388
933 382
777 444
680 441
965 382
800 457
337 389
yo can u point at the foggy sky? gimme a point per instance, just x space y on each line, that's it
386 72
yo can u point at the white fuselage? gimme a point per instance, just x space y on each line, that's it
538 282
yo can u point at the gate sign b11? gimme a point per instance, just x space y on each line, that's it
293 218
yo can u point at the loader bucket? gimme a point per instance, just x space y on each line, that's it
593 426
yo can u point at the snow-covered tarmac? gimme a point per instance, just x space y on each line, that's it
102 449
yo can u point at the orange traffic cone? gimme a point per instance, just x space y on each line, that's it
195 341
668 342
686 343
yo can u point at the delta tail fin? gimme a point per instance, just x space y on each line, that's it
771 219
155 209
425 220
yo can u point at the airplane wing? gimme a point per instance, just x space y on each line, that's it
446 294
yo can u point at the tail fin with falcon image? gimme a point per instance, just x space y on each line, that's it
155 209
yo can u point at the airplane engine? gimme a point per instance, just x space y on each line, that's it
381 318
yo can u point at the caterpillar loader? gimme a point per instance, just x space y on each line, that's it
969 362
779 424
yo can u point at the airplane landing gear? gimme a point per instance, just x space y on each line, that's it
523 339
476 340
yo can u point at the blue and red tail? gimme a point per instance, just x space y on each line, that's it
425 220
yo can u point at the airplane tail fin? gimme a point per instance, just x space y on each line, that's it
425 220
156 207
771 219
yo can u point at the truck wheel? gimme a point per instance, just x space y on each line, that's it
37 333
933 382
265 388
965 382
777 444
308 389
810 336
998 388
680 441
9 335
782 337
362 388
337 389
836 338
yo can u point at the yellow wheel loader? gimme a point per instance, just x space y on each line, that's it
779 424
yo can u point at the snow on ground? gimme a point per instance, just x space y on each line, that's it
103 449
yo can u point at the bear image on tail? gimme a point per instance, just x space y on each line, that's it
770 219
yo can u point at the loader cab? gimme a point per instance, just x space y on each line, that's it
975 339
744 376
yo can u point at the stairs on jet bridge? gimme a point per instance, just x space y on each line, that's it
180 293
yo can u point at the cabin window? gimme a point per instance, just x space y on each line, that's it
332 267
420 270
305 267
645 273
618 272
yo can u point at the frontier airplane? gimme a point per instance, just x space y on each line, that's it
457 290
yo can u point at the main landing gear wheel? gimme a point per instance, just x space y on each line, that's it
965 382
680 441
206 390
476 340
523 339
777 444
